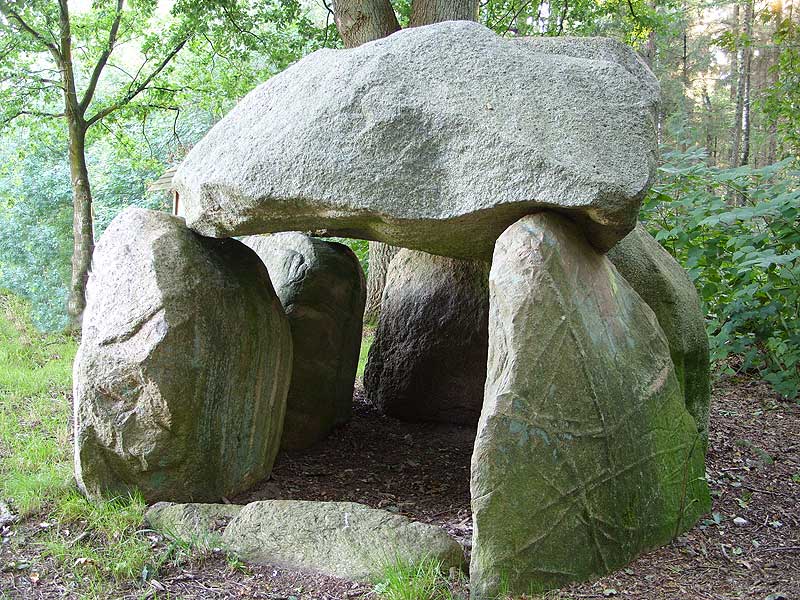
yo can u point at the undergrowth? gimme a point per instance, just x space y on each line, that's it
737 233
35 381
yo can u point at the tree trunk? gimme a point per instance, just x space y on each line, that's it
735 54
772 144
686 104
380 255
362 21
736 139
426 12
745 159
708 116
82 226
746 72
771 152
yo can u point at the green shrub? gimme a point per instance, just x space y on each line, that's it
737 232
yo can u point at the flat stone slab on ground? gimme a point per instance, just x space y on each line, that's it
435 138
339 539
342 539
201 524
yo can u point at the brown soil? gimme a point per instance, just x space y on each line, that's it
421 470
753 466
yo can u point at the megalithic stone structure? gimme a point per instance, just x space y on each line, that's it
446 139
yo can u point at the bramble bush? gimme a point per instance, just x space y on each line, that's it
737 233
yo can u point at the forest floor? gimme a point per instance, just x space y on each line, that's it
67 548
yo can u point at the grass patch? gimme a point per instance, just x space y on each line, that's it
421 581
35 397
366 344
111 518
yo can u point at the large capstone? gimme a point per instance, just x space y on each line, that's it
184 364
341 539
321 286
428 360
585 453
435 138
664 285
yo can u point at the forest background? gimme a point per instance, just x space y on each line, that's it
147 79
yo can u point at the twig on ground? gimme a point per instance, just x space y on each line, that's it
782 549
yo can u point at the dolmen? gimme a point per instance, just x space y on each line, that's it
508 168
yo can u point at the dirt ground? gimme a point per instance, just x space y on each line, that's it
422 471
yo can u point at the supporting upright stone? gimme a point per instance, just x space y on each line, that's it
321 286
664 285
585 453
428 360
182 372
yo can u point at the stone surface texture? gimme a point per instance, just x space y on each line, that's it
435 138
181 377
664 285
585 453
200 524
428 359
341 539
322 289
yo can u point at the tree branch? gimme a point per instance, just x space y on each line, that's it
132 93
21 80
175 126
245 31
633 12
101 62
563 18
33 113
214 50
10 14
327 22
510 11
517 13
